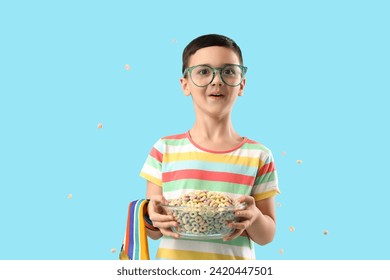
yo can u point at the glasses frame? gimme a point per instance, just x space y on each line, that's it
215 69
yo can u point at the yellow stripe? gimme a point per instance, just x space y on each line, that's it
265 195
150 178
164 253
228 159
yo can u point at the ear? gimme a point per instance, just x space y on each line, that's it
242 86
185 86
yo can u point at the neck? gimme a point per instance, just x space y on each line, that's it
215 134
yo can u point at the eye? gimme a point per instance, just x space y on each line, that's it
229 71
203 71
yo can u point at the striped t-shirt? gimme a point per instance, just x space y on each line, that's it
180 166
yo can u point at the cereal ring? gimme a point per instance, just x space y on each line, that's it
229 216
202 228
193 214
210 213
188 227
195 230
194 224
186 218
199 219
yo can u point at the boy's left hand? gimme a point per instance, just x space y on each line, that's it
247 217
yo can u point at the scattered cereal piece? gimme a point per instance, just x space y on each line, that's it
292 229
326 232
70 196
127 67
281 251
299 161
278 204
100 125
284 153
174 41
113 250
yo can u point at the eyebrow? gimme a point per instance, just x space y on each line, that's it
223 65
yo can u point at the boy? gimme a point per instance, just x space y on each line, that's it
212 156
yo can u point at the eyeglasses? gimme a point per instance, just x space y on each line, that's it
203 75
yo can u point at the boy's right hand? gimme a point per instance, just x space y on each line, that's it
159 218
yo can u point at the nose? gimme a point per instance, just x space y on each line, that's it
217 78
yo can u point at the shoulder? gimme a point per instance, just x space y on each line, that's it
175 139
257 147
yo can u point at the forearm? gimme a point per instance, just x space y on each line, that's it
262 230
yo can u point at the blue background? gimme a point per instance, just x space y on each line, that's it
317 91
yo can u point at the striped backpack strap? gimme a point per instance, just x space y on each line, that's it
135 246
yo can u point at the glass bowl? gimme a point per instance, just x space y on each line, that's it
203 222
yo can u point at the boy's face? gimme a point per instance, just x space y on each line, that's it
216 99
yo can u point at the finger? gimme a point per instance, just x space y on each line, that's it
237 225
234 235
241 225
162 225
247 199
169 232
155 217
244 214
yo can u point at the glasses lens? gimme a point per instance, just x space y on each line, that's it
232 75
202 75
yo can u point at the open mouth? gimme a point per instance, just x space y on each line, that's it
216 95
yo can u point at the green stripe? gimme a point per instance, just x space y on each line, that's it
153 162
250 146
241 241
206 185
268 177
177 142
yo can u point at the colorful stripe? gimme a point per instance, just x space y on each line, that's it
179 166
203 156
136 243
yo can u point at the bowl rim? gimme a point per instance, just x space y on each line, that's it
239 206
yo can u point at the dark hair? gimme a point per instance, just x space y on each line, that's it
209 40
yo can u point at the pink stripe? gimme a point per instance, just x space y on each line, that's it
177 136
156 154
208 175
267 168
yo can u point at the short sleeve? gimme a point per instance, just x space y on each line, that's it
266 182
151 170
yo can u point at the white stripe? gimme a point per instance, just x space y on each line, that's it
207 247
171 149
150 170
159 146
265 187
